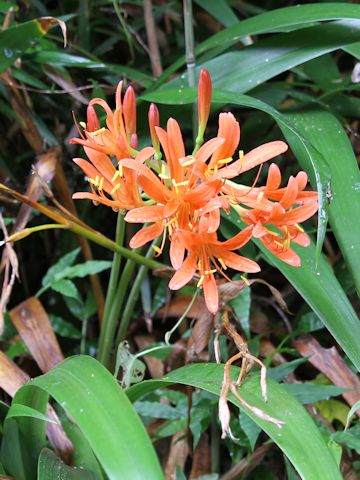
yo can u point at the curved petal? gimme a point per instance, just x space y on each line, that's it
146 234
238 240
229 129
291 192
262 154
242 264
200 195
185 273
211 293
274 177
176 149
209 148
145 154
177 251
288 256
149 213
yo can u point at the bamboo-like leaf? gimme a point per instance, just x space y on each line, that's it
50 467
16 40
96 403
299 438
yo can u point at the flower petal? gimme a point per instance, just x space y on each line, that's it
211 293
146 234
262 154
177 251
185 273
149 213
238 240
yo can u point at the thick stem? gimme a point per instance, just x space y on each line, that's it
107 333
114 275
133 296
152 39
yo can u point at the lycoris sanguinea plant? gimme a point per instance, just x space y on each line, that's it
180 196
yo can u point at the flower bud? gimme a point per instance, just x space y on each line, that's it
154 121
204 100
92 121
130 111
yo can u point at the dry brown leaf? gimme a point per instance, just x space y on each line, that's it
179 304
155 366
200 334
201 464
329 362
179 450
247 464
11 376
34 327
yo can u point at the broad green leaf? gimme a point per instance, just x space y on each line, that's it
66 287
327 136
282 19
83 456
220 10
50 467
16 40
299 438
241 71
59 266
280 372
93 399
250 428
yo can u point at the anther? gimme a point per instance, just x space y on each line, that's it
117 186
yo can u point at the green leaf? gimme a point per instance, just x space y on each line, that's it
18 410
16 40
352 411
63 328
327 136
220 10
50 467
81 270
299 438
241 71
93 399
310 393
241 306
66 287
59 266
281 19
83 456
250 428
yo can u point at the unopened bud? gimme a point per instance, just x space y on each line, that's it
130 111
92 123
154 121
204 100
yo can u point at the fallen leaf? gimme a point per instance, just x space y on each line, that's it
34 327
329 362
201 464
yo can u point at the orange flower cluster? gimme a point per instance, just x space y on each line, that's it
181 196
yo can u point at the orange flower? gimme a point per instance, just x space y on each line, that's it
116 188
284 209
118 138
178 194
207 255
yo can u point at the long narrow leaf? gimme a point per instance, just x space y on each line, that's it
299 438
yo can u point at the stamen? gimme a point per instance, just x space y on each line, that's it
116 174
101 183
97 132
210 272
157 249
200 282
180 184
121 171
222 263
188 162
299 228
83 125
117 186
279 244
260 197
244 279
224 160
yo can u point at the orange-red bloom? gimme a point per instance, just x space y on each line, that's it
207 255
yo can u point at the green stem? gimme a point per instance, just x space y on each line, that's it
125 28
107 333
133 296
190 52
114 275
181 319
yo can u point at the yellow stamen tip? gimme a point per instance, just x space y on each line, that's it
244 279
